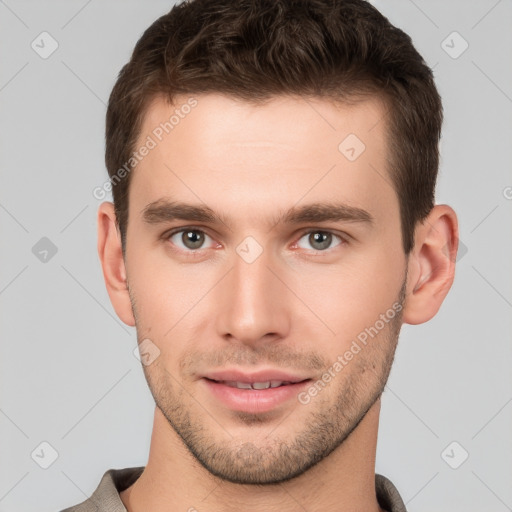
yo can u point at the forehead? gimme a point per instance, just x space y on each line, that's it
228 153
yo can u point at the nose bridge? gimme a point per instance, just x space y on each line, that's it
253 300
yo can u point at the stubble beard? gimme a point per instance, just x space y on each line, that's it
277 460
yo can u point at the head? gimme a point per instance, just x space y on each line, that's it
295 143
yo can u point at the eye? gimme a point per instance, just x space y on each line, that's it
320 240
193 239
188 239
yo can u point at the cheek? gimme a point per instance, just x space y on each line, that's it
350 297
162 290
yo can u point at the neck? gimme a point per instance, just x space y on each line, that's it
174 480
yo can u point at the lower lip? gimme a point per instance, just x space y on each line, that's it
254 400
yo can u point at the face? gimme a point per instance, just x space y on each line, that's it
264 249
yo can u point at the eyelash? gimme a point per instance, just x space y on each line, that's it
343 240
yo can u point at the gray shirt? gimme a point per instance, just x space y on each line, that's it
106 497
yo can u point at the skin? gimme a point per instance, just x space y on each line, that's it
297 307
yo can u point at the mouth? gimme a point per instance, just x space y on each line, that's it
256 385
257 393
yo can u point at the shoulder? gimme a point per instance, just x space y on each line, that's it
387 495
106 496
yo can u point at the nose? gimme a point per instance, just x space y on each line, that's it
254 302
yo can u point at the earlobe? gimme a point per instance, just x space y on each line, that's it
431 266
112 263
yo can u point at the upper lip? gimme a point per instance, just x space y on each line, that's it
259 376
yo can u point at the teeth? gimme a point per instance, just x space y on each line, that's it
242 385
255 385
261 385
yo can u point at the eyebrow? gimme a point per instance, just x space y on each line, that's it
163 210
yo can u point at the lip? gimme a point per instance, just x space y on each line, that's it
254 400
259 376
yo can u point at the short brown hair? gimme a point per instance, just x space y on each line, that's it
257 49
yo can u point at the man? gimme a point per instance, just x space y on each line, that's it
273 166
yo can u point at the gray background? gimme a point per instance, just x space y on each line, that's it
68 374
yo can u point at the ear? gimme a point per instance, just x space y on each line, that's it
112 263
431 266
